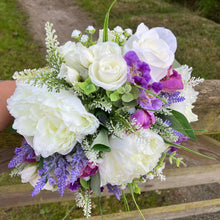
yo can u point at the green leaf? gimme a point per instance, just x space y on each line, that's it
181 124
102 116
41 163
87 86
114 96
105 28
10 129
128 97
121 90
95 184
101 147
85 184
135 92
128 88
101 143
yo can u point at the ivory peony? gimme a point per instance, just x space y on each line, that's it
50 122
130 157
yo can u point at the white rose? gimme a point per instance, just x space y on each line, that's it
109 72
50 122
156 47
102 49
29 174
77 57
130 158
69 74
188 93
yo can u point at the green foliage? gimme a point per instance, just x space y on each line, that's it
180 123
42 77
85 184
95 184
18 50
53 57
87 86
126 93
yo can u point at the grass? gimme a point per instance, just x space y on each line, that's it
198 38
56 211
18 50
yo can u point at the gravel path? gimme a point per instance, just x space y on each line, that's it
64 14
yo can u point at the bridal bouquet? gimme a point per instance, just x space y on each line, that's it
102 114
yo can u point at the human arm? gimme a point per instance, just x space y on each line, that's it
7 88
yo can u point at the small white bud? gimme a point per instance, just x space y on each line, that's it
128 31
84 38
90 29
75 33
118 30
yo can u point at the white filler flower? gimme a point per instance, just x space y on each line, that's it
130 158
50 122
154 46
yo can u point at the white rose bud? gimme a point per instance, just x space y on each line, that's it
109 72
69 74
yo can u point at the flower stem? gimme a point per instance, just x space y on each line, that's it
100 206
185 148
125 201
132 194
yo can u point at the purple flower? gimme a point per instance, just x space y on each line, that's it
74 186
143 118
23 154
148 101
139 72
172 83
114 189
89 170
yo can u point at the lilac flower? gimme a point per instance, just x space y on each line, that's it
78 161
143 118
139 72
179 141
23 154
148 101
172 97
114 189
57 165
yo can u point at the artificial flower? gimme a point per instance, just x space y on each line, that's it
130 157
29 174
50 122
76 56
154 46
188 92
